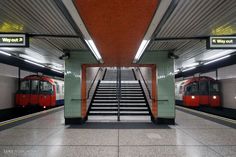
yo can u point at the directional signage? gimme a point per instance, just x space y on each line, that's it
227 42
14 40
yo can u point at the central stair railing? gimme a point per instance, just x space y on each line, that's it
118 91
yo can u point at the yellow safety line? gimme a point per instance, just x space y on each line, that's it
27 116
209 115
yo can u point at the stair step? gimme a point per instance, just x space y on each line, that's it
122 98
122 101
121 110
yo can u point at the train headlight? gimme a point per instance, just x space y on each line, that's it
193 97
214 97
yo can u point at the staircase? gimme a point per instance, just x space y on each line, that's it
132 102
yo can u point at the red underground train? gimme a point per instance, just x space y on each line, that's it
40 91
198 91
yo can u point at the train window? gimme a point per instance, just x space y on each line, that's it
46 87
192 89
203 88
214 87
34 86
57 87
62 88
25 85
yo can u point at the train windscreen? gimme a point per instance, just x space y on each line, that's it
192 89
203 88
34 86
214 87
25 86
46 87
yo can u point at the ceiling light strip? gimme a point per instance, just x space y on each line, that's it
188 69
5 53
40 65
57 71
215 60
76 17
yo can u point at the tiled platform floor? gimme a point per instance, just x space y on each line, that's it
48 137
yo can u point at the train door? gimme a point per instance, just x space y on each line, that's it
191 97
34 92
204 92
214 96
23 95
46 92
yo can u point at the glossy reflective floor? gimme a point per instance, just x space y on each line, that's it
48 137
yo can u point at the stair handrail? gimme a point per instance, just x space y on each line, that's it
145 82
94 79
118 91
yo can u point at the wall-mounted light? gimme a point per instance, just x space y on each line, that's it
141 50
5 53
94 49
40 65
215 60
188 69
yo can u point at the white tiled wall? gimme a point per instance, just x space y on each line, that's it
9 84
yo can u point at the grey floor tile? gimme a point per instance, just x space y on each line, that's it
72 151
155 137
228 151
14 151
83 137
24 136
213 136
167 151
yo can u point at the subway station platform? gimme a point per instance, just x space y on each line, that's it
48 136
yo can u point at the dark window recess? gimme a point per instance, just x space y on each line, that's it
35 86
46 87
214 87
25 87
203 88
192 89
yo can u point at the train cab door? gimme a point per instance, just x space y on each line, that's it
46 92
191 98
23 95
34 90
214 94
204 92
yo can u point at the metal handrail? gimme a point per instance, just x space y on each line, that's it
118 91
145 82
100 69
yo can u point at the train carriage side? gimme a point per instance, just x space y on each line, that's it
36 91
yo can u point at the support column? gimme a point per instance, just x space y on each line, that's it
164 85
75 86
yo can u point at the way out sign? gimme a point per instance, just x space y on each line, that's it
14 40
223 42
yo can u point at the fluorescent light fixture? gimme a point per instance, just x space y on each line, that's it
5 53
94 49
141 49
57 71
190 65
40 65
215 60
218 53
188 69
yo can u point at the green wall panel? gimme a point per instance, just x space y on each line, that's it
73 81
165 81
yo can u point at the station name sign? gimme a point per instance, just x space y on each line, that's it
14 40
227 42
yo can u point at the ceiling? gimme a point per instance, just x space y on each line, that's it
117 27
192 18
39 17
